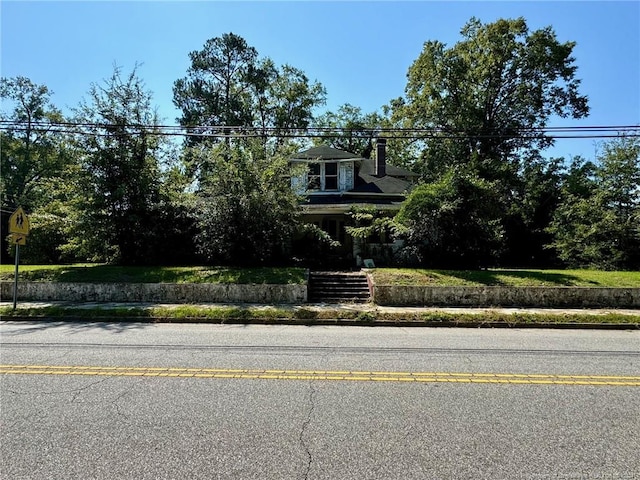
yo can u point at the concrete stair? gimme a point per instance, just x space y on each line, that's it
338 287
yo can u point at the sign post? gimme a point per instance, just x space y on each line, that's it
15 278
19 229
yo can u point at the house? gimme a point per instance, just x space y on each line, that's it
333 181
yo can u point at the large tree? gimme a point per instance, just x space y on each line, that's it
228 85
247 212
31 148
217 90
597 223
480 107
119 150
349 129
486 98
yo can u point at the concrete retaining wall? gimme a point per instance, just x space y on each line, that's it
156 292
570 297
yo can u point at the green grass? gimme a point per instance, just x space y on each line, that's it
498 277
98 273
193 313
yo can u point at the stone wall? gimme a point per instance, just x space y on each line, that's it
156 292
570 297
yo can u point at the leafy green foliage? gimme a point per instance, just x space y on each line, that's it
216 90
228 85
247 213
486 93
30 152
349 129
533 200
452 223
119 154
485 100
598 222
371 226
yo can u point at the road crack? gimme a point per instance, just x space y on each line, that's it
119 409
75 391
305 425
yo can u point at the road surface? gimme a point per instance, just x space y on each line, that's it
143 401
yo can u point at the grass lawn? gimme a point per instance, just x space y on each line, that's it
98 273
304 315
516 278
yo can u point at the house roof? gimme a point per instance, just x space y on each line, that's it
386 184
366 181
324 152
368 166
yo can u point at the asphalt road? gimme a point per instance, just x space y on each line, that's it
138 401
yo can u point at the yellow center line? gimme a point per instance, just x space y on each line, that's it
326 375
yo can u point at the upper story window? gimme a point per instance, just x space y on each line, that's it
322 176
331 176
313 177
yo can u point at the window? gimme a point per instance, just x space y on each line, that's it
313 177
331 176
322 176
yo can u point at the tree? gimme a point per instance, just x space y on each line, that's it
217 91
536 195
247 212
597 223
284 100
228 87
452 223
119 151
349 129
484 103
487 97
31 151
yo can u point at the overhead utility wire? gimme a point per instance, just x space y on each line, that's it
226 131
311 128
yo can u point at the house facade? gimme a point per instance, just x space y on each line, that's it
333 181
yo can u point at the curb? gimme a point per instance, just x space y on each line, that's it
330 322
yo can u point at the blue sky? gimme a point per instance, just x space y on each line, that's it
360 50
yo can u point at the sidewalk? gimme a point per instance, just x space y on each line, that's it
365 314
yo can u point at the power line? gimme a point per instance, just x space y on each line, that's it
231 131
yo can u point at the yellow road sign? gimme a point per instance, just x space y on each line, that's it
19 222
18 239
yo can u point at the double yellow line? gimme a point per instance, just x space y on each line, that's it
327 375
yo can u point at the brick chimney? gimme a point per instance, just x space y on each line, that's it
381 157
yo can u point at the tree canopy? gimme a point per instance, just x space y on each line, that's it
228 85
597 223
472 123
488 96
30 152
119 157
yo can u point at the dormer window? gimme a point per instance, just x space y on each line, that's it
331 176
322 176
313 177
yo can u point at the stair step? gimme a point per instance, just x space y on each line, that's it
338 287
